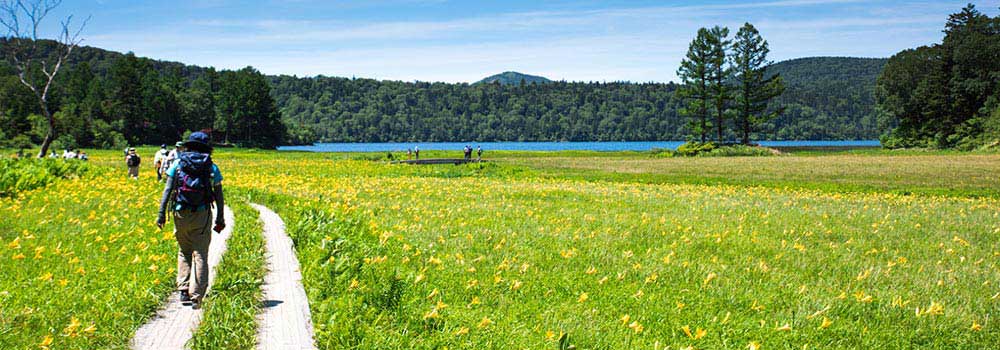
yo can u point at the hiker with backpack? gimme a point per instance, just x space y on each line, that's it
132 161
158 159
194 184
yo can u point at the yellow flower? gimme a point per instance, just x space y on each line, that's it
826 323
433 294
18 256
45 277
785 328
697 334
70 330
976 326
753 346
485 322
45 342
462 331
516 285
583 297
636 326
432 314
711 276
15 244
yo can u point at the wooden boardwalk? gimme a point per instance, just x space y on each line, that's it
285 322
174 324
455 161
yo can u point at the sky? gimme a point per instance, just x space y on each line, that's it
464 41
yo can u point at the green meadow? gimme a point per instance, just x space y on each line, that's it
857 249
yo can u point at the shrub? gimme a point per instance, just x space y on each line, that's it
18 175
690 149
711 149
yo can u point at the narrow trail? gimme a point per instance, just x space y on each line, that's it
285 322
174 324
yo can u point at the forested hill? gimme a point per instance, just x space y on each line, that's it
827 98
513 78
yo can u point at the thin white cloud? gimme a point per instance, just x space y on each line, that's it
637 44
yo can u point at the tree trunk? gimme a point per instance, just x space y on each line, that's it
746 131
49 136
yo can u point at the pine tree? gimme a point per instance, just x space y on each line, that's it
695 75
720 73
754 88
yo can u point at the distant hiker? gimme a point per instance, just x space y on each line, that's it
53 155
132 161
468 152
194 184
83 156
479 153
158 159
416 152
409 153
171 157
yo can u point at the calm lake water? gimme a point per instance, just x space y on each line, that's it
547 146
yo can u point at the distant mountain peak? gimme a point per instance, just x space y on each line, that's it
514 78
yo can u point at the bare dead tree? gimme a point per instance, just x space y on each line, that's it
22 19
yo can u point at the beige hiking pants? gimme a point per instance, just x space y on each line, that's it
193 231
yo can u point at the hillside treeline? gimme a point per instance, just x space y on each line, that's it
945 95
107 99
837 106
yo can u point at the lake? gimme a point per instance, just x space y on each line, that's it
547 146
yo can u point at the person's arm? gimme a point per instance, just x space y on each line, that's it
220 204
161 217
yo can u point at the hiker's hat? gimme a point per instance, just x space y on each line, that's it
179 144
198 140
130 149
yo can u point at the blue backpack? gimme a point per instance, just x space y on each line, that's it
193 180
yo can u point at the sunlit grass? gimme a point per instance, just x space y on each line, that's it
400 256
81 264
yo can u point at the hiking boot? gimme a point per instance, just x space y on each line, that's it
195 304
185 297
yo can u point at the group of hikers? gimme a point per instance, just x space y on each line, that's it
414 153
67 154
193 186
70 154
468 152
162 160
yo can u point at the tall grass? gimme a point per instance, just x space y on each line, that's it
18 175
231 309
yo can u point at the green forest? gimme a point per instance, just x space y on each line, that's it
106 99
945 95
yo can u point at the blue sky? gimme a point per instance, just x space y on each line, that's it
463 41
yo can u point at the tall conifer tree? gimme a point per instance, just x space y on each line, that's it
754 88
695 76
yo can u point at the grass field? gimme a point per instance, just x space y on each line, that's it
602 250
513 256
